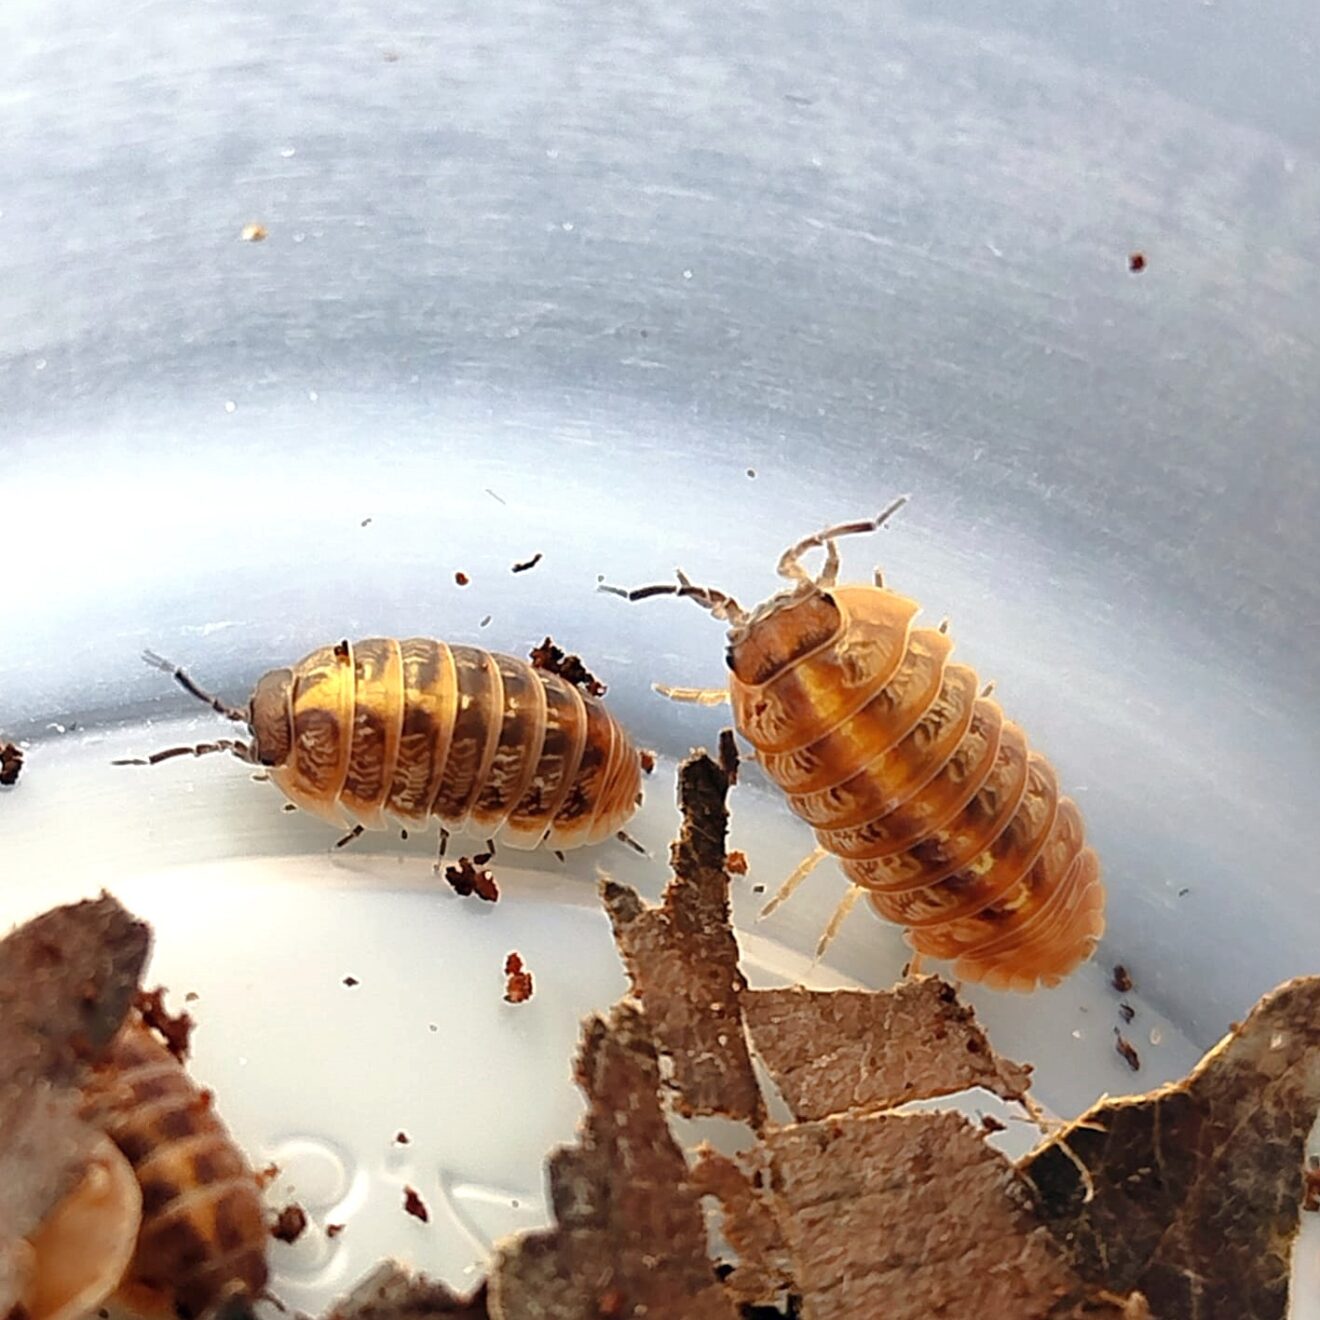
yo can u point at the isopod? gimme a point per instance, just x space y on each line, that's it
416 728
907 772
203 1231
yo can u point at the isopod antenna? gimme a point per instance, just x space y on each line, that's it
180 676
718 603
244 751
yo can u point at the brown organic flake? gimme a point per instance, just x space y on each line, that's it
1121 979
764 1271
332 1231
626 1217
11 763
909 1216
1127 1051
989 1123
401 1138
466 878
461 579
526 564
832 1051
1191 1192
1136 262
1311 1188
1126 1011
414 1205
728 755
570 668
351 981
517 980
647 759
175 1029
682 957
290 1224
737 863
389 1292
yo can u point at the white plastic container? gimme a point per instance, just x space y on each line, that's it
638 288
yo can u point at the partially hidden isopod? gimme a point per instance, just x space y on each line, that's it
204 1234
907 771
168 1219
416 728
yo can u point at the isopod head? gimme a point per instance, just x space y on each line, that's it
268 717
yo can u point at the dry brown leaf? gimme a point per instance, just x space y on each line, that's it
682 957
837 1051
1197 1185
629 1229
763 1272
390 1292
909 1216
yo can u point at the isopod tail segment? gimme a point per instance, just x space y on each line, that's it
909 774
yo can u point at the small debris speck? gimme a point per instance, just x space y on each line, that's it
332 1231
1136 262
465 878
415 1206
1121 979
254 233
1126 1011
366 522
461 579
351 981
525 564
11 763
737 863
289 1224
401 1138
518 980
1126 1050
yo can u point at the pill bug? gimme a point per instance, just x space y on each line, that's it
203 1233
415 728
907 772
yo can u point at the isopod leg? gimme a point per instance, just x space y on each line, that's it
354 833
440 851
803 869
694 696
846 905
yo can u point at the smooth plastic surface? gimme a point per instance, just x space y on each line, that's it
676 285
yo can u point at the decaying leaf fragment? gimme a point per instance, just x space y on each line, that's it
1196 1186
764 1272
682 957
629 1238
67 979
911 1216
837 1051
390 1292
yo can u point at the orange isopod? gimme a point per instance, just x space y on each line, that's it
907 771
417 728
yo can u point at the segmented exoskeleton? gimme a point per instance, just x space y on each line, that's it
908 774
410 729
